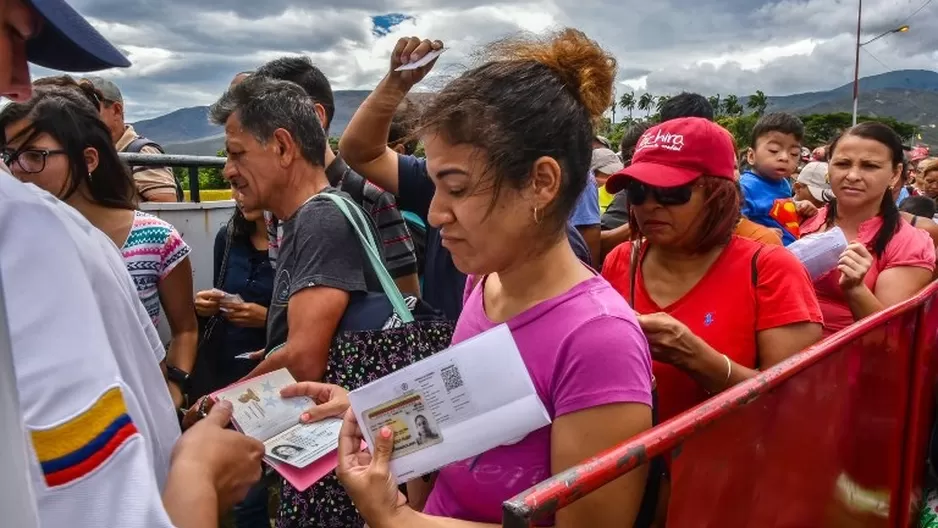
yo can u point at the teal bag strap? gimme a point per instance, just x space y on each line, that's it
351 210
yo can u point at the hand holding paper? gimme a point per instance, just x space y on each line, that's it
411 60
452 405
269 408
367 476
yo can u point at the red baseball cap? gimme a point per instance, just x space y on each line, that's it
678 152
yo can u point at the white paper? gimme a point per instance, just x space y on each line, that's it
423 61
260 412
820 253
454 405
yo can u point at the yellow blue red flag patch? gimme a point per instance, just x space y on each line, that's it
77 447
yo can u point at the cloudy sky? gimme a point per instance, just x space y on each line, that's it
185 54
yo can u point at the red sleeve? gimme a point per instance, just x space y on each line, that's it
813 224
784 292
616 268
910 246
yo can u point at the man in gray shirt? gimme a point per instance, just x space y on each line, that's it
275 145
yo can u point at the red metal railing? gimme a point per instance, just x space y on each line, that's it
833 436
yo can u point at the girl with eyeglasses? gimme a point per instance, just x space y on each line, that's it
57 142
715 307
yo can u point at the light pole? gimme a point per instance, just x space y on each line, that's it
856 64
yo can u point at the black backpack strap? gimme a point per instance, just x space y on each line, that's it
138 143
136 146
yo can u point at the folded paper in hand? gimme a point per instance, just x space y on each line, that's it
454 405
820 253
423 61
302 453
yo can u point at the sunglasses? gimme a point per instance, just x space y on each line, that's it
639 192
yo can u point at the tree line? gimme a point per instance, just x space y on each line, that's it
739 118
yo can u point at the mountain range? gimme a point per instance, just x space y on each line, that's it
910 96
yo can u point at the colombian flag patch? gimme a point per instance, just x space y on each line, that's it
77 447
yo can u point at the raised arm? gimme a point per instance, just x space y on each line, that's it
364 144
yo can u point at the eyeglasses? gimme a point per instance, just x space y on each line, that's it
639 192
28 160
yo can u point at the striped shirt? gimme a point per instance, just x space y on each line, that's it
400 256
152 250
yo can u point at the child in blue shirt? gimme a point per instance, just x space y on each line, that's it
773 156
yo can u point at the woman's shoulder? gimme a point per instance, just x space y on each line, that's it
910 245
595 302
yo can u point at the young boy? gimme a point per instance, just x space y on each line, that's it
773 156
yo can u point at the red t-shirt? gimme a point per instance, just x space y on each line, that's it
723 308
909 246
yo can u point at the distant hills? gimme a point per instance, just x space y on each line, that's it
910 96
906 95
188 130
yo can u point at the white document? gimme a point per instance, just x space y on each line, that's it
260 412
820 253
426 59
454 405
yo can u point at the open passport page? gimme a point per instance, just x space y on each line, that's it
300 452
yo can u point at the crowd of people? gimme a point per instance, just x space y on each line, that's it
636 284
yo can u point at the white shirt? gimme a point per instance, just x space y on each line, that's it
95 405
17 501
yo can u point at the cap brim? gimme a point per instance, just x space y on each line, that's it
654 174
67 41
817 193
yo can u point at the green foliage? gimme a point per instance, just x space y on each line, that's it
209 177
731 106
646 103
627 102
731 114
819 129
822 128
758 102
740 126
334 143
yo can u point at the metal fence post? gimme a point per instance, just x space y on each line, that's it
194 184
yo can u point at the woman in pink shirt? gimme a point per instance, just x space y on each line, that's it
509 147
887 260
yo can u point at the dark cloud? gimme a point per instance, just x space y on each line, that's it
186 53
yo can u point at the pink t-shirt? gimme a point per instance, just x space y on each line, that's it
583 349
909 246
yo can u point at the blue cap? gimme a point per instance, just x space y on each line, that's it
66 41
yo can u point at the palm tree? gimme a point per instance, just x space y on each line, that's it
662 99
731 105
627 102
715 103
757 102
645 102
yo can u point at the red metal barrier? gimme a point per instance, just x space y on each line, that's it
834 436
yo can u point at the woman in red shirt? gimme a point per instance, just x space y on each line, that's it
715 307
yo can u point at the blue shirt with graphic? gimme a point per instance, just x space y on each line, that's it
764 203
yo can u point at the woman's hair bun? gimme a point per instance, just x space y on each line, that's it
587 69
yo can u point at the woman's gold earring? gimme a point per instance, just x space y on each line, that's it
536 220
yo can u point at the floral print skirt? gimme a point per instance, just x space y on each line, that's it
323 505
